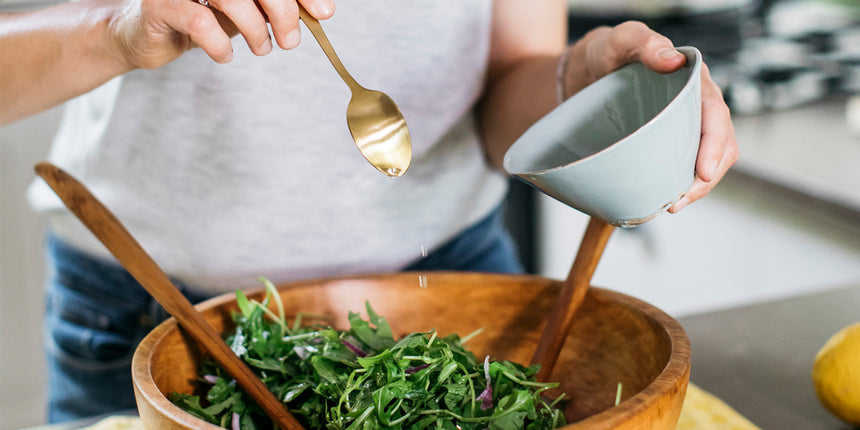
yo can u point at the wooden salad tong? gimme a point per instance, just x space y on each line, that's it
107 228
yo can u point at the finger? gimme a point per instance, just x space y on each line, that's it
716 128
250 21
633 41
319 9
284 18
700 188
201 26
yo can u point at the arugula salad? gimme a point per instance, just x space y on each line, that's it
363 378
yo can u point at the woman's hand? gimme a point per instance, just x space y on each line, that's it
55 54
606 49
151 33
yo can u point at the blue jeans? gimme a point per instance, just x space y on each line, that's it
96 314
484 247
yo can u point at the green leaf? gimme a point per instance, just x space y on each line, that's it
244 304
411 341
511 421
518 401
447 370
273 292
362 331
267 363
324 368
222 389
423 423
191 404
216 408
367 362
246 423
388 400
455 395
292 392
382 327
420 382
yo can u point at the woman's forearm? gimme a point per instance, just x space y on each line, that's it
50 56
55 54
514 100
526 40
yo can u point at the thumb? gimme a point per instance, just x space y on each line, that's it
633 41
661 56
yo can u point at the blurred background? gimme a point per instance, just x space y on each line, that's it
785 221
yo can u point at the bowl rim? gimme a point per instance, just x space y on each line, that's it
695 72
673 377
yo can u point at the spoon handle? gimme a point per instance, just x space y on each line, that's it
571 296
104 225
316 29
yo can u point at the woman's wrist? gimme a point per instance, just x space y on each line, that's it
117 37
577 71
561 75
56 54
92 39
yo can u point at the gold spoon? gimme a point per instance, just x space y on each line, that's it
571 296
376 124
104 225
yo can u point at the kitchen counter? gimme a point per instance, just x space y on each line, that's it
807 150
83 422
758 358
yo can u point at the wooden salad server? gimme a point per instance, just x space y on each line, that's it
107 228
570 297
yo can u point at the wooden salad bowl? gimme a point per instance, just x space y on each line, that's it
614 338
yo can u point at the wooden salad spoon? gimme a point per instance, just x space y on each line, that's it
108 229
570 297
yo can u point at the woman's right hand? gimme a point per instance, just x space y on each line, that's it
98 40
151 33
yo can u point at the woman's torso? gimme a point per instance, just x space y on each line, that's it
229 172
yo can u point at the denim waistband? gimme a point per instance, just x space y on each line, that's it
104 275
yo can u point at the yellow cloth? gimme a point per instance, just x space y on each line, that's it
704 411
117 423
701 411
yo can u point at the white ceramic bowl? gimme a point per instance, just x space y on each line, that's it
623 149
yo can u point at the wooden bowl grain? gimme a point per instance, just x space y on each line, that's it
615 338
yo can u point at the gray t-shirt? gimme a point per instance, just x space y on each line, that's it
229 172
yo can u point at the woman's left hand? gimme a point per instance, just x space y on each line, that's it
605 49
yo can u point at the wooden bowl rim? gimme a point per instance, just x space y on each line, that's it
677 368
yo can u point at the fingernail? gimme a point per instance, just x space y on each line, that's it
229 57
266 47
326 7
668 53
293 38
680 204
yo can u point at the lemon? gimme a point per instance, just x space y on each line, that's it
836 374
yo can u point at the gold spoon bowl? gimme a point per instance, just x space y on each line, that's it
375 122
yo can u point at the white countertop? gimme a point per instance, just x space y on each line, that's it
808 149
